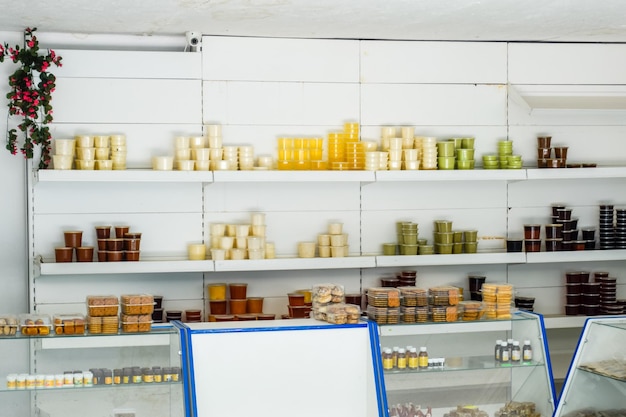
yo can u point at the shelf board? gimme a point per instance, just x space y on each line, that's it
127 175
576 256
576 173
444 328
293 176
144 266
569 97
158 338
453 175
149 175
460 259
281 264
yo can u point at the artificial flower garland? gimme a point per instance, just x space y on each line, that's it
30 98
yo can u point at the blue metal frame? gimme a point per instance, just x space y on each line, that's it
186 366
188 355
544 338
379 374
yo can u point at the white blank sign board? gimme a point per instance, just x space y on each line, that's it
285 368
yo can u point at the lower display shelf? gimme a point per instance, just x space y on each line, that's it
142 385
496 409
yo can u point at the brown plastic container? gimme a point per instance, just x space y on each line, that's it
84 253
532 231
115 256
218 307
132 244
131 255
255 305
238 290
532 245
73 238
224 317
115 244
120 231
299 312
103 232
238 306
296 299
63 254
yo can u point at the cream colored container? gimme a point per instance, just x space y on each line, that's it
335 228
306 249
181 142
62 161
196 251
64 146
84 141
162 163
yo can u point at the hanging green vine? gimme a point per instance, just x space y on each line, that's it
32 85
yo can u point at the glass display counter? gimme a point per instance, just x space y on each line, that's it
596 380
462 376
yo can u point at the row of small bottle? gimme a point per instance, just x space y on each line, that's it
131 375
405 358
510 352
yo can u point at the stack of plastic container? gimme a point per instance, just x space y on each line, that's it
118 151
428 152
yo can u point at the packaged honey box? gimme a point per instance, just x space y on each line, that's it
383 297
35 324
137 303
102 305
64 324
8 325
133 323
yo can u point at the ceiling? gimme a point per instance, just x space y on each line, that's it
476 20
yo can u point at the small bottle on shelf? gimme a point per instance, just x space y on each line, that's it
509 346
422 358
387 359
527 352
516 353
394 355
413 358
402 362
504 353
498 350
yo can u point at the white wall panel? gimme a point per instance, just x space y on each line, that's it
433 195
283 197
433 104
98 100
54 289
273 59
558 63
279 103
128 64
116 198
433 62
163 234
537 193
